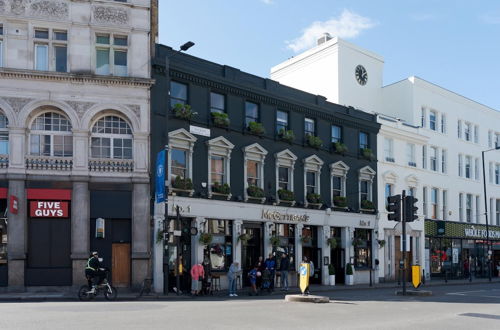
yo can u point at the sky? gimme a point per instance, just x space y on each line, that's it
452 43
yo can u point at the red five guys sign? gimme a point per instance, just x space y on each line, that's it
48 209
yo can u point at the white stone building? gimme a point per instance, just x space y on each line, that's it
447 174
74 117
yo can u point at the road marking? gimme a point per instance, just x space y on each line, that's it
463 293
483 316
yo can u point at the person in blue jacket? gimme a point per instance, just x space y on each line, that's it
270 265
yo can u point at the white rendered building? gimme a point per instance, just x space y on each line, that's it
447 173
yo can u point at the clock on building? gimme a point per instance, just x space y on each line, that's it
361 75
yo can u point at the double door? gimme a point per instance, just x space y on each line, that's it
251 250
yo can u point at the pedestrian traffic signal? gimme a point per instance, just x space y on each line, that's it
394 208
411 209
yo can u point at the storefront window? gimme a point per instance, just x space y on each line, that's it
220 250
362 248
286 235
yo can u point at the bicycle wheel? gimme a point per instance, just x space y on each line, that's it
110 293
83 294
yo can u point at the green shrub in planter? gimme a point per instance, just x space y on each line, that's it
274 240
314 141
182 183
256 128
348 270
340 148
367 205
332 242
313 198
340 201
305 239
286 195
254 191
286 135
244 238
206 238
357 241
221 188
367 153
331 269
184 111
381 242
220 119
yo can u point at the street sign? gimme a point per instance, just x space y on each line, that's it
415 276
304 276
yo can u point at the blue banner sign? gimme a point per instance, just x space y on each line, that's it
160 177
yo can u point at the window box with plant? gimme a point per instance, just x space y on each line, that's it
367 206
183 111
332 242
331 274
340 202
275 241
206 238
256 128
339 148
286 197
220 119
286 135
314 141
256 194
221 190
314 200
183 185
367 154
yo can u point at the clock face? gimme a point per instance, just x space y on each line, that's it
361 75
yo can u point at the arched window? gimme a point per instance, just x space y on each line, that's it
111 138
4 135
51 136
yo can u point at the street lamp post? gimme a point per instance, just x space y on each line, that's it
497 147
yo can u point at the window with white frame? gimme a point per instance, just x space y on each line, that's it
411 191
281 121
285 164
432 120
497 140
254 156
468 132
444 202
312 173
497 212
336 134
443 123
111 138
178 93
424 202
422 117
1 45
459 129
490 139
476 134
309 127
4 135
51 135
468 165
181 146
366 176
468 207
50 49
478 208
252 113
389 150
461 207
476 168
389 188
460 165
434 203
434 159
443 161
219 157
410 155
497 173
338 172
364 142
217 103
111 54
424 156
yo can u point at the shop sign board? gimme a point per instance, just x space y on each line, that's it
481 233
48 209
14 204
304 276
455 255
199 130
278 216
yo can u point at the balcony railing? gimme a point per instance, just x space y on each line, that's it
4 161
111 165
45 163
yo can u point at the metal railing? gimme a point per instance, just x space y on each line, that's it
46 163
111 165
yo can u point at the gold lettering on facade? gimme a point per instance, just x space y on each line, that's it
278 216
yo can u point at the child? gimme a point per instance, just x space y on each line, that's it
252 275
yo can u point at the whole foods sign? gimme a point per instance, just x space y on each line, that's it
481 233
46 209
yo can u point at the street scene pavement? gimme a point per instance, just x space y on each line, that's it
450 307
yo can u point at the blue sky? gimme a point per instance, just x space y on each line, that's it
452 43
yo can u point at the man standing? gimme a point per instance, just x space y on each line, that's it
284 267
270 265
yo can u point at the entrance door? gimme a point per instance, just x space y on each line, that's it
399 257
252 250
314 254
337 256
120 264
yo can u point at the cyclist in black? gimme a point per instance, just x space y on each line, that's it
93 270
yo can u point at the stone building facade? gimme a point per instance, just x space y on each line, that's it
74 112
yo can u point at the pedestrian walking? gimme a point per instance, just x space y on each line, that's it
197 274
253 275
284 267
232 274
270 265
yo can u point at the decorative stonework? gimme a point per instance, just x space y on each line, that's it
2 6
17 103
136 109
80 107
18 7
49 9
110 15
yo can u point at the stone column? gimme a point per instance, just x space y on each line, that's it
81 156
298 245
141 232
17 232
237 231
196 247
159 216
323 235
267 236
17 141
346 244
80 228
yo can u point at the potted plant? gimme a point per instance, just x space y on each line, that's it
314 141
340 148
159 236
314 200
286 135
244 238
184 111
305 239
367 153
255 192
332 242
349 275
340 201
331 274
222 189
220 119
274 240
356 241
182 183
206 238
367 205
256 128
286 195
381 242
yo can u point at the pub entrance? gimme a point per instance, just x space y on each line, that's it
252 249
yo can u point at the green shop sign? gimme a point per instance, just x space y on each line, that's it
459 230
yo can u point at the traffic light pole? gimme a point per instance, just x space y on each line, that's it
403 223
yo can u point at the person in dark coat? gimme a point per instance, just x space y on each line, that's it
270 265
284 268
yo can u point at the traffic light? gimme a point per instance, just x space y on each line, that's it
394 208
411 209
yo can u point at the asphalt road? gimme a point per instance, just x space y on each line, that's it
451 307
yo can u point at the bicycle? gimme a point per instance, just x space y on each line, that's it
85 292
